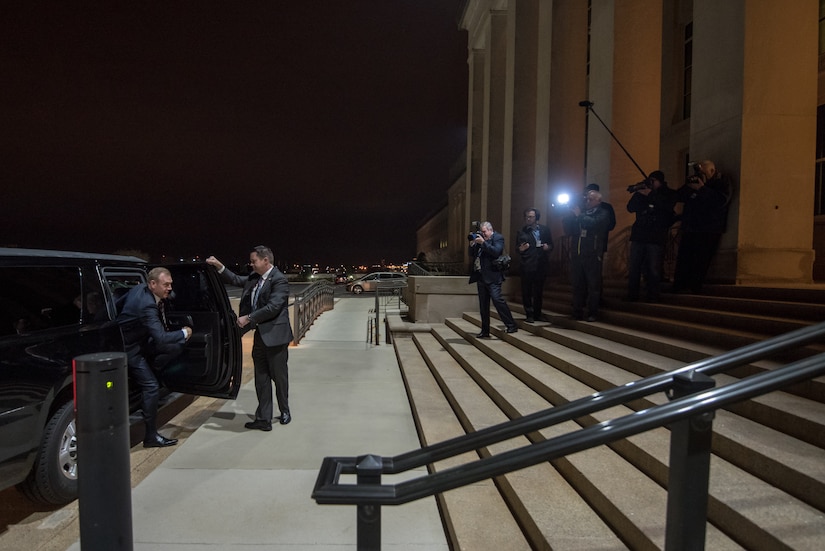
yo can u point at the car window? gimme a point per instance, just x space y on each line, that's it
33 298
398 276
119 283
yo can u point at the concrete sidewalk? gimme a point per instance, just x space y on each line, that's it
229 488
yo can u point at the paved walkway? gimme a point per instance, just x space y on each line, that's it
226 488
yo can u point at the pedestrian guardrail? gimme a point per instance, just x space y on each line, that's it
308 305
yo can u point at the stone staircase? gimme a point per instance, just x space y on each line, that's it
767 479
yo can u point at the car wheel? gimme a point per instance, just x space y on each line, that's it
357 289
53 479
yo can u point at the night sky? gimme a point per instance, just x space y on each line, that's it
324 129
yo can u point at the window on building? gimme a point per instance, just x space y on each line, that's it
687 71
821 27
819 186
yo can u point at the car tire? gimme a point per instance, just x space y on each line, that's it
53 479
357 289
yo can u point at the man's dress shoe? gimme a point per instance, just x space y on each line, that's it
511 330
259 424
285 418
158 441
483 335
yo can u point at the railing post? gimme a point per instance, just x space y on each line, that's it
104 486
690 444
369 470
377 314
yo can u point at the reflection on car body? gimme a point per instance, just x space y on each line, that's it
371 281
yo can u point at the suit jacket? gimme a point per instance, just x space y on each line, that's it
141 325
535 260
487 252
270 315
589 232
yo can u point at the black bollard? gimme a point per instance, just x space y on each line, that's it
103 481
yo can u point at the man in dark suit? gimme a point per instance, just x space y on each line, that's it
150 345
487 246
534 243
263 307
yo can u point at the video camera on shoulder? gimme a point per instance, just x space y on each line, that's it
644 184
475 230
698 176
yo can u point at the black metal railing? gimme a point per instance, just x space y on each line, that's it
388 295
689 414
308 305
437 268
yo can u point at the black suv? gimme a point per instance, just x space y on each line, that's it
55 306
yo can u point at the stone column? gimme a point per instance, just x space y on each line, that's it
475 131
497 128
530 97
754 114
625 86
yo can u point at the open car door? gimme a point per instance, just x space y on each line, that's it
211 364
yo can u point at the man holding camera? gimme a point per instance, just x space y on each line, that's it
652 202
706 197
588 228
486 246
534 243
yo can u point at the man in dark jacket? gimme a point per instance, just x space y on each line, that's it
150 345
485 248
534 243
263 307
588 228
706 197
652 202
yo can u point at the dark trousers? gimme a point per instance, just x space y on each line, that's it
532 293
486 293
143 375
270 365
645 260
696 251
586 279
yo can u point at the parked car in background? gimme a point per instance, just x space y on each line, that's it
55 306
371 281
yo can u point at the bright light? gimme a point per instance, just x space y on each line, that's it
563 199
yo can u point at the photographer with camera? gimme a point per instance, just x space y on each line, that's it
534 243
652 202
588 228
486 246
706 197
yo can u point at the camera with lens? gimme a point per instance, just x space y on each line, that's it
697 177
565 201
475 230
644 184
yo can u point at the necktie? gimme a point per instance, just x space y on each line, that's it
255 292
162 312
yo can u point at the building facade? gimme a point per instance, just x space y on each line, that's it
563 93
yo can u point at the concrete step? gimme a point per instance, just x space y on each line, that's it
686 342
466 511
756 526
553 514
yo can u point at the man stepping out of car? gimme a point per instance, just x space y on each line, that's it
149 345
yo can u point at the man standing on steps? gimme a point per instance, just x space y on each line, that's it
485 247
263 307
534 243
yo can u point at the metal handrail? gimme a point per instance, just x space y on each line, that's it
559 446
598 401
308 305
437 268
369 494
